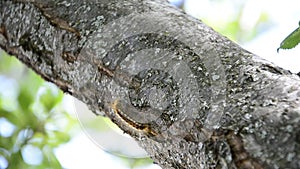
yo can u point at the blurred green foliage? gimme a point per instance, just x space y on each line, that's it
234 31
32 121
231 22
136 162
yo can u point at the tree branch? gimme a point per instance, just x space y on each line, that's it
190 97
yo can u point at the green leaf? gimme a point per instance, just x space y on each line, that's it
50 97
290 41
25 99
10 65
56 138
16 161
52 161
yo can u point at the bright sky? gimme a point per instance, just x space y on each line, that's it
81 152
284 16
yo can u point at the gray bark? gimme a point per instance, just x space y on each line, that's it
190 97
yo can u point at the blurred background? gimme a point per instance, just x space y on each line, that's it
41 128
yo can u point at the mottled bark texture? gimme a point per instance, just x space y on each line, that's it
190 97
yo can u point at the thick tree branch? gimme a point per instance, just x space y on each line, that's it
191 97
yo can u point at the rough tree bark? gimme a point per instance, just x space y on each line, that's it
190 97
